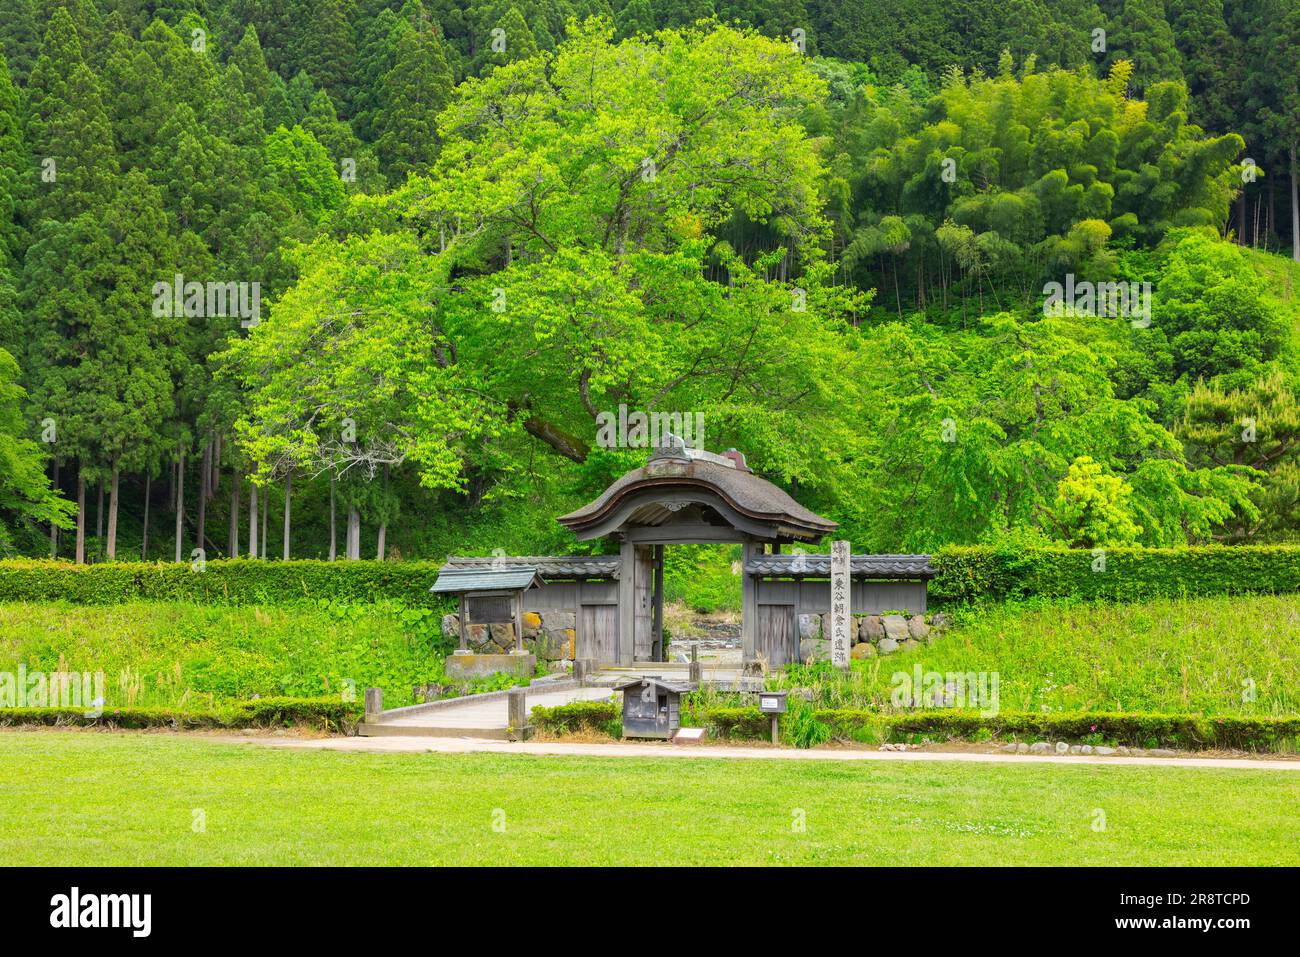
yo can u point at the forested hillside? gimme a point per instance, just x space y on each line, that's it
319 278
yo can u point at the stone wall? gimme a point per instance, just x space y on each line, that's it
871 635
549 634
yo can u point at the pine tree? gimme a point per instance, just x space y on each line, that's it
1142 35
136 358
412 95
326 51
248 57
1212 62
20 40
15 178
635 17
70 133
137 101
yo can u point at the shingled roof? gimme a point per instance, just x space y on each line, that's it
860 566
492 578
735 484
550 567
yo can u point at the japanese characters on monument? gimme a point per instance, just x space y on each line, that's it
840 605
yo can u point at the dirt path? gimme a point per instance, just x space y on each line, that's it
630 750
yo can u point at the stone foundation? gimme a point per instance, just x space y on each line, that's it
462 667
871 635
549 635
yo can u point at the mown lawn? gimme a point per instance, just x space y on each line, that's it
117 799
1211 656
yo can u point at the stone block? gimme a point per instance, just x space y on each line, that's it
810 626
814 649
558 620
917 628
887 646
532 624
503 635
451 626
872 628
464 667
478 636
896 627
863 649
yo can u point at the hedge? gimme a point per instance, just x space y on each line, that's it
1138 729
980 573
328 714
237 581
966 574
577 716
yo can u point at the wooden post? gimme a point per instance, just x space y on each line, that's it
748 603
626 603
841 604
519 622
460 617
696 673
374 702
657 610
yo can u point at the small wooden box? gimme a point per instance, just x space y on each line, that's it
651 708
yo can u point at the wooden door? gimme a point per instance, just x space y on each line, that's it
777 638
598 634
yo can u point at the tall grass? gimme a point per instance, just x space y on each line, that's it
1208 656
175 654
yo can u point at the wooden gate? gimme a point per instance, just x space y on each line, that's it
598 633
777 638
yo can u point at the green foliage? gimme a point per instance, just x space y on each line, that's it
181 654
25 494
987 573
579 717
1092 508
223 582
320 714
702 576
1188 731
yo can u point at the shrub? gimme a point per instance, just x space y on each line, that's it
579 716
1136 729
328 714
986 573
222 582
740 723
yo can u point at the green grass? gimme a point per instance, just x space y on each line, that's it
177 654
91 798
1186 656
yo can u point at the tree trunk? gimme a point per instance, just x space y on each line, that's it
1241 217
288 496
1295 211
144 539
354 533
54 529
205 492
112 514
99 521
252 519
383 522
266 503
333 523
234 513
81 517
180 505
